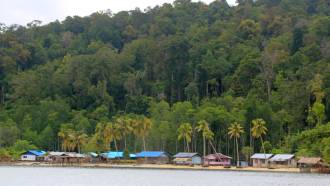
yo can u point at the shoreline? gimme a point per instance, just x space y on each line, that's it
147 167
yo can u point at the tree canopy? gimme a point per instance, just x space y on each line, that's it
129 80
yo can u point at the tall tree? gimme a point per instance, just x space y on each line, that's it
235 130
203 127
258 130
141 128
185 132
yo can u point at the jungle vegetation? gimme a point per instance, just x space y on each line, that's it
186 76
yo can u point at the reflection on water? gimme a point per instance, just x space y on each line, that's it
16 176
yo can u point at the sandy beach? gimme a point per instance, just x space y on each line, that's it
149 166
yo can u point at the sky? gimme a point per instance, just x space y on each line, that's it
24 11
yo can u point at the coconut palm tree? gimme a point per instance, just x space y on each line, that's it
108 135
185 132
203 127
234 131
117 134
259 129
72 140
81 139
64 135
126 128
141 129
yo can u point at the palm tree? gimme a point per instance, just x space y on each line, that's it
72 140
64 135
81 139
108 135
235 130
203 127
126 128
141 129
99 135
259 129
185 132
117 134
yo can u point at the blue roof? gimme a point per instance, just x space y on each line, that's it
151 154
35 152
115 154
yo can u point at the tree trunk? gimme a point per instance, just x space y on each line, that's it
144 143
184 145
176 146
188 146
58 143
204 146
251 149
207 89
125 142
3 95
172 89
269 88
237 164
115 141
263 147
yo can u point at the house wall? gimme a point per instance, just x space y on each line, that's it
284 164
259 163
188 162
222 162
157 160
196 160
28 157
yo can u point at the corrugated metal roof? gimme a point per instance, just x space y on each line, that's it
151 154
116 154
186 155
36 152
282 157
93 154
56 153
217 156
261 156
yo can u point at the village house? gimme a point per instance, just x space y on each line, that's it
283 161
153 157
94 157
67 158
32 155
306 164
73 158
217 159
117 155
184 158
260 160
53 157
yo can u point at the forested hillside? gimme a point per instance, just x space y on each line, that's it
169 77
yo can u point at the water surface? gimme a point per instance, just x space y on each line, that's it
32 176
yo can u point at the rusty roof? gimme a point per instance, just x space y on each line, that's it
310 160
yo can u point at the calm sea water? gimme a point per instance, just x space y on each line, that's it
17 176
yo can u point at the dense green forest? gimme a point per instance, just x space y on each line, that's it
175 77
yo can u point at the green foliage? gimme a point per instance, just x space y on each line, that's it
313 142
126 154
129 80
20 147
247 152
